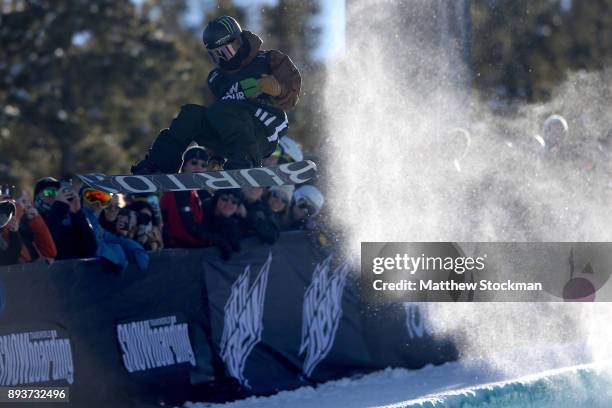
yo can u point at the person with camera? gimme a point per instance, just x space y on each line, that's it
112 249
36 240
60 207
146 230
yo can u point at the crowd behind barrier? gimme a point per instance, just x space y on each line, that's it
62 221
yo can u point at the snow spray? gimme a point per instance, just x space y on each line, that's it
394 98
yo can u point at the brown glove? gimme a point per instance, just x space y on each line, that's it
269 85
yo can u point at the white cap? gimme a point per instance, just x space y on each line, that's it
285 191
312 195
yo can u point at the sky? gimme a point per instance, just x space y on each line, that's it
332 21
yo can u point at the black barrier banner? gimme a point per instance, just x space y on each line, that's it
486 271
272 318
286 317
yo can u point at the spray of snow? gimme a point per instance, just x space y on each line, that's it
392 101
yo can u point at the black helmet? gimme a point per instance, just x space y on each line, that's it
44 183
218 36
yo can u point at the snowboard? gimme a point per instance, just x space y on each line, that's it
288 173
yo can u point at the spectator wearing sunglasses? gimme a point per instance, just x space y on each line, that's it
61 209
278 200
182 211
222 224
306 205
111 249
258 218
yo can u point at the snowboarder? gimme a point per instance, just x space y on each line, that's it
252 87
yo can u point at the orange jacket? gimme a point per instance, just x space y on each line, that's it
42 241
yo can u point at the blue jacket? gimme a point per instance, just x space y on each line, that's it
117 250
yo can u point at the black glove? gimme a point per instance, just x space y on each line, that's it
145 166
254 154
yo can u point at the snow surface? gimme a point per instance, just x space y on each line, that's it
458 384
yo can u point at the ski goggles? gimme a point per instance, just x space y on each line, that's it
305 205
225 52
48 192
96 196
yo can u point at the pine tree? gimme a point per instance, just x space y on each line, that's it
87 85
289 26
524 49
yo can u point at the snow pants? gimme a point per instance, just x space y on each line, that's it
228 128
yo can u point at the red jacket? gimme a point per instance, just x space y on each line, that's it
183 216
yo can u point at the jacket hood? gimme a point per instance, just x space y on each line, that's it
255 45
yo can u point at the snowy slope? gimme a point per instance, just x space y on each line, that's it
451 385
458 384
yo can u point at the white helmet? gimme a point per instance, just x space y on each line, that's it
309 196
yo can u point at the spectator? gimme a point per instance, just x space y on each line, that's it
150 198
258 218
37 240
147 230
34 237
222 225
182 211
126 222
115 250
277 198
61 209
10 240
108 218
555 130
306 205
